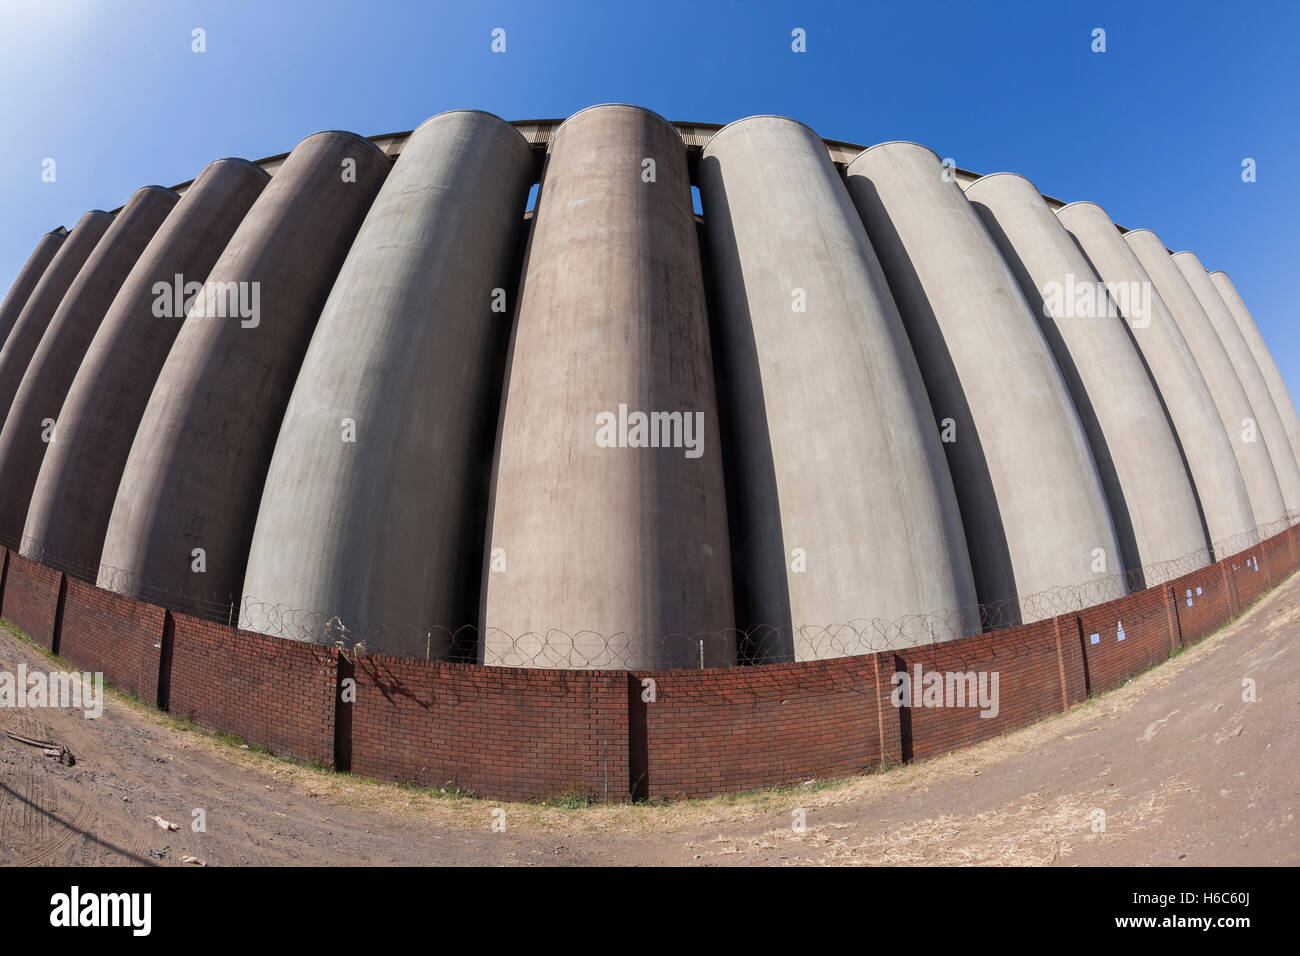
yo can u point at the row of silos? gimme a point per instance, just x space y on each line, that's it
851 409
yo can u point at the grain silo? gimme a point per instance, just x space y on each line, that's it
609 516
833 447
577 436
1216 476
185 508
1271 430
74 494
1147 486
31 424
1035 513
375 504
1234 407
1263 358
28 277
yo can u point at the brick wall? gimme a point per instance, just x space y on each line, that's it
269 691
506 732
31 599
1123 638
1279 556
103 631
1203 602
1249 576
1040 672
526 734
728 729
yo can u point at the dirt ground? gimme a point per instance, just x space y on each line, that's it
1184 771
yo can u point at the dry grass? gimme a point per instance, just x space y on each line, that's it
1034 831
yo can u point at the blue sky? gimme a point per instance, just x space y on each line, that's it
1154 129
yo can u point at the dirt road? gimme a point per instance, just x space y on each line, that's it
1178 766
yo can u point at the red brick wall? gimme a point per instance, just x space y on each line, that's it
1202 602
31 599
729 729
1040 672
1149 634
506 732
103 631
270 691
1279 556
525 734
1249 576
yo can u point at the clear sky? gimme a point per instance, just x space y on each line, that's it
1155 129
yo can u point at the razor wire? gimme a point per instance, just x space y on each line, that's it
555 648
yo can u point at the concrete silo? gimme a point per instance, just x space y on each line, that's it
1271 430
78 481
1206 448
1152 503
1263 358
27 432
1212 359
831 449
27 279
609 530
374 508
44 301
184 512
1035 513
397 454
